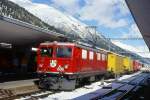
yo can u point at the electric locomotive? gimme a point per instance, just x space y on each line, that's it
64 65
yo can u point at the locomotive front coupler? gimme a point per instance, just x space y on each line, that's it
61 74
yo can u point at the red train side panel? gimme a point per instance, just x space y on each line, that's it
79 60
136 65
89 61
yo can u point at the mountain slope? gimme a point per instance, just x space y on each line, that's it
12 10
54 17
69 25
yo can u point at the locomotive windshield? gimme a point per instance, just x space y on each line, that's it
46 52
63 52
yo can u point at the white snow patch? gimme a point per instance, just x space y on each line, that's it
128 76
76 93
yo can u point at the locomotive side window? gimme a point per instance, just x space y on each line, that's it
98 56
84 54
63 52
103 57
46 51
91 55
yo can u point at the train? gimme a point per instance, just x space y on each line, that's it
65 65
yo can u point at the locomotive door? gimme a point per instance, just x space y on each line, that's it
78 59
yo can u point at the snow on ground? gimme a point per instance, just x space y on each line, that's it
83 90
128 76
76 93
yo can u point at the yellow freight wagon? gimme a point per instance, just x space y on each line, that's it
115 63
128 64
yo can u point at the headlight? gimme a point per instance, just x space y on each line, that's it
66 66
40 65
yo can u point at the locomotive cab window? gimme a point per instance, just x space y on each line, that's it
46 51
64 52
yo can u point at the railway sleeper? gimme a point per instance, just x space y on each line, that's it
5 93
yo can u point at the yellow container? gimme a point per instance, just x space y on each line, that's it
115 63
128 64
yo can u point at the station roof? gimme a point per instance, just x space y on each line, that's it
16 32
140 10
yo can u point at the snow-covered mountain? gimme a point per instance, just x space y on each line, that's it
12 10
55 18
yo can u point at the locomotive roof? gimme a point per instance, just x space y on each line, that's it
58 43
89 47
116 54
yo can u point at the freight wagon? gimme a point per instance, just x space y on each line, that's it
128 64
115 63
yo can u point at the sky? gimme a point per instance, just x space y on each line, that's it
112 18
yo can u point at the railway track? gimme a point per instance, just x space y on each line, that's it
26 93
12 93
5 93
38 94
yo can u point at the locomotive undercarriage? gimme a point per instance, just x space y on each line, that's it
57 82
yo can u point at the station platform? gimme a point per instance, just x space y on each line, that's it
122 89
16 84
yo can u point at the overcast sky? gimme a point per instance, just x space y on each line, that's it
112 18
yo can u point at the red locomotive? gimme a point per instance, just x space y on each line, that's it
64 65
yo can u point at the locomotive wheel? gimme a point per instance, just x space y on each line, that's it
43 84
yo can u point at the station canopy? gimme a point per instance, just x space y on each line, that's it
19 33
140 10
